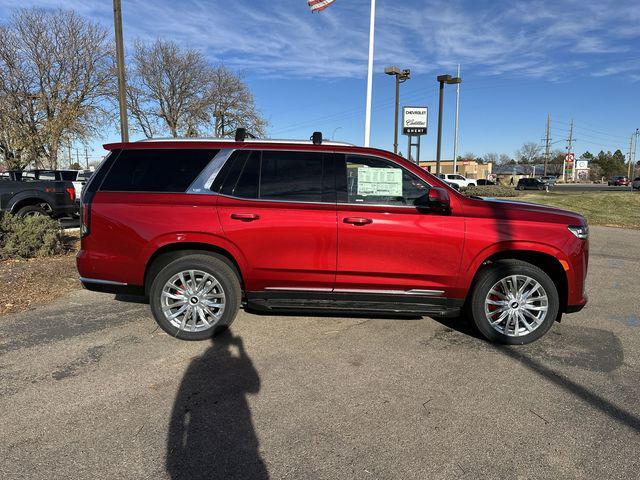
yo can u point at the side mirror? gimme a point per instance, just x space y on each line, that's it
435 200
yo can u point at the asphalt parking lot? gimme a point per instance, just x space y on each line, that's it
90 388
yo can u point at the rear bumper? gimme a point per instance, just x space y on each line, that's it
65 210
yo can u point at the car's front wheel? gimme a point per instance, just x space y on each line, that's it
514 302
195 296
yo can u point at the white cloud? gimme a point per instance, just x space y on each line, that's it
536 39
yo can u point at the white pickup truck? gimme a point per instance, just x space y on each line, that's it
459 180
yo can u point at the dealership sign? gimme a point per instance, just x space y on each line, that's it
414 120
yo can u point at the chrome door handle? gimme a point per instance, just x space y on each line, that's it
357 221
245 217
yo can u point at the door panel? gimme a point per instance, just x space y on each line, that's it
279 209
394 247
287 245
400 249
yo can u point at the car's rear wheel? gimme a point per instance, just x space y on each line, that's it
514 302
32 211
520 187
195 296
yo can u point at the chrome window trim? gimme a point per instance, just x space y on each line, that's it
414 291
203 182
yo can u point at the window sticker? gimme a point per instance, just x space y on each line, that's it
381 182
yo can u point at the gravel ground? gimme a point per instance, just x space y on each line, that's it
90 388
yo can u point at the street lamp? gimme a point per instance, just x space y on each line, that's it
449 80
401 77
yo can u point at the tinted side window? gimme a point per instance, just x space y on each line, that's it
295 176
242 174
160 170
69 176
380 182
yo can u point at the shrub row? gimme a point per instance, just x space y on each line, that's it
29 237
491 191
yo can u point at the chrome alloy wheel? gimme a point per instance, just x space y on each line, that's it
516 305
193 300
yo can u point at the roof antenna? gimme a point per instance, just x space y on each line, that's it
316 138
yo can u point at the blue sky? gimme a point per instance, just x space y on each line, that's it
520 60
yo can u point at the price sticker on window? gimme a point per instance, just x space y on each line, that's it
380 182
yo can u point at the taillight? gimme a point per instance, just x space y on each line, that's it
72 193
85 218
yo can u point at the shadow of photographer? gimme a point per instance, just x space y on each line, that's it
211 434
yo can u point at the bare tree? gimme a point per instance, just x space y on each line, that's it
504 159
491 157
529 153
55 74
168 88
231 103
176 90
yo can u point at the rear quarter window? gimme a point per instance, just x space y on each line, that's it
156 170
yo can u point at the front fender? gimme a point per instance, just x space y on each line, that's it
471 266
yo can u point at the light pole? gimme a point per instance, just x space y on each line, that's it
122 85
401 77
442 79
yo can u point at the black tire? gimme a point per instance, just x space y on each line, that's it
208 263
489 277
520 187
32 211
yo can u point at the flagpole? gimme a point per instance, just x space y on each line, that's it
367 120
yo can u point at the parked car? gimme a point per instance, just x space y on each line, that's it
78 177
442 177
636 183
531 184
484 182
549 180
459 180
203 227
32 197
618 181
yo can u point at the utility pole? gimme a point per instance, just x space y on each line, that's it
633 147
69 152
122 85
86 156
547 148
455 135
630 155
569 150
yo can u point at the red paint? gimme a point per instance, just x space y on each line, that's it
325 246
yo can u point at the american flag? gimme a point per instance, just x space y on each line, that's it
317 5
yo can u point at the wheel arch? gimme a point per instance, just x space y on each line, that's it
545 261
170 252
25 201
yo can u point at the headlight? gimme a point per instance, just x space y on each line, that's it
580 231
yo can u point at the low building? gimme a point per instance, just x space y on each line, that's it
466 168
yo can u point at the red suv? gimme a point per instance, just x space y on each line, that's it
203 227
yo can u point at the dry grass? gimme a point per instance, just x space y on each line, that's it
29 283
614 209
